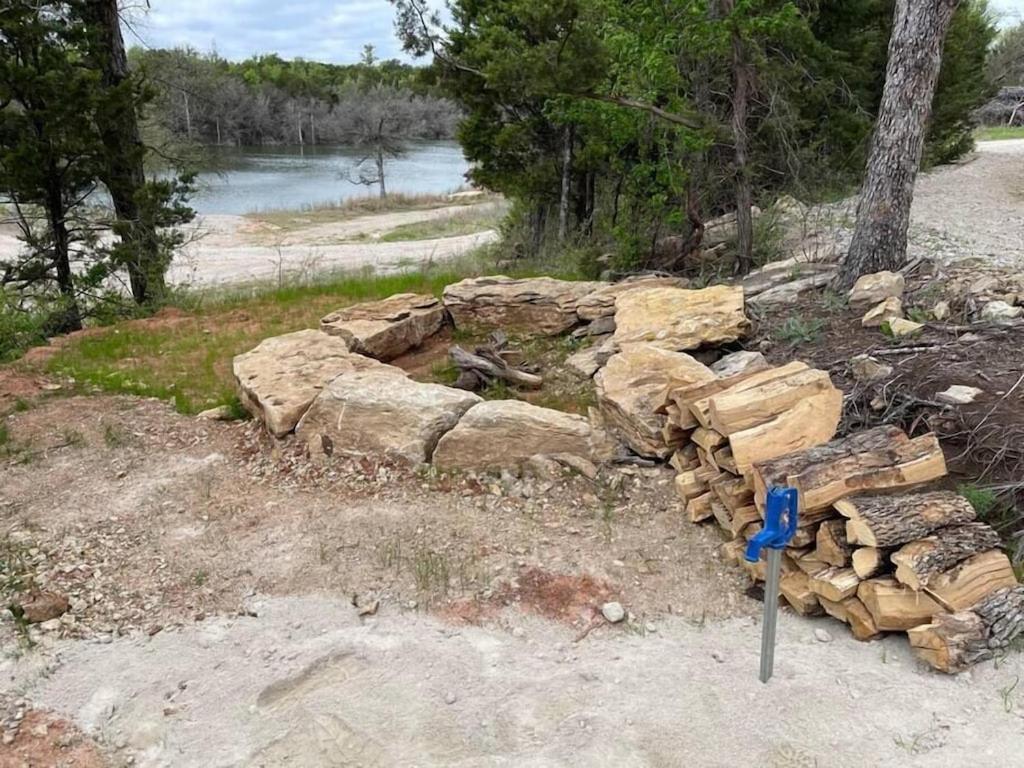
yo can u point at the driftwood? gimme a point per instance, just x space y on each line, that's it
492 362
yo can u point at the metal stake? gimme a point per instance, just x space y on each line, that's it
771 614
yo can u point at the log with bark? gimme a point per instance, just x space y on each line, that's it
491 362
918 562
889 521
831 543
954 641
972 580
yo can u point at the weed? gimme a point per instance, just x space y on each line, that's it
1009 700
5 435
22 405
430 571
114 436
798 329
918 315
462 223
833 301
984 500
200 577
72 438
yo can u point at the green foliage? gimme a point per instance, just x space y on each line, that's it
983 500
20 328
799 329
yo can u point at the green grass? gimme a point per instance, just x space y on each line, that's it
798 329
185 357
999 133
461 223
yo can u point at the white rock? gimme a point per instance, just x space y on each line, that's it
959 395
613 612
890 309
505 433
999 312
822 636
901 327
739 362
941 311
280 378
388 328
633 385
375 413
871 289
867 369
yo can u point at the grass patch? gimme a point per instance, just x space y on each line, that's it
798 329
185 357
999 133
462 223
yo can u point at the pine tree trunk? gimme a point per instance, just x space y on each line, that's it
125 173
883 214
744 196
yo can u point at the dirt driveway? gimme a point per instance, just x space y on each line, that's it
233 605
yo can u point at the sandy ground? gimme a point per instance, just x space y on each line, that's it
213 577
305 682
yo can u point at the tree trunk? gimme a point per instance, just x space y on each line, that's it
70 318
883 214
380 172
742 80
125 173
563 204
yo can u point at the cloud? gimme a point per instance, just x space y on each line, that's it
1009 12
321 30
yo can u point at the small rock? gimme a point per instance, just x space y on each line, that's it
890 309
1000 312
718 656
959 395
941 311
867 369
518 632
900 327
220 413
871 289
822 636
613 612
450 698
41 607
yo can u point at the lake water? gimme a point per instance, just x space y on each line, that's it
251 179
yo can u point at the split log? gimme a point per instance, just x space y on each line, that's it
758 572
477 371
835 584
831 544
734 551
852 611
723 458
708 439
869 561
810 422
758 401
901 466
682 462
811 565
972 580
803 537
743 517
706 459
673 436
776 472
689 485
733 492
722 514
796 590
697 398
953 642
888 521
895 607
919 561
698 509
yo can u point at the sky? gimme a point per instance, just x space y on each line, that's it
320 30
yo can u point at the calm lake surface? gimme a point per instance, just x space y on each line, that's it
252 179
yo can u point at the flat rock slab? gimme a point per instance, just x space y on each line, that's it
540 305
501 434
870 290
388 328
601 303
634 384
374 413
280 378
678 319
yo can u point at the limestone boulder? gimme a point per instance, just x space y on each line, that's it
870 290
900 327
388 328
790 293
678 319
633 386
373 413
282 376
589 361
501 434
889 309
601 303
540 305
1000 312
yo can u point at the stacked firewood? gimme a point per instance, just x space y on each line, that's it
866 554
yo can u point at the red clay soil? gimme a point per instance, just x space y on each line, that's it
43 739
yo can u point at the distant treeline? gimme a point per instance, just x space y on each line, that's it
267 100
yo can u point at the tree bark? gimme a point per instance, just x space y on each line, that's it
883 213
70 318
919 561
563 205
742 81
125 173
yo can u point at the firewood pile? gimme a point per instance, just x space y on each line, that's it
872 550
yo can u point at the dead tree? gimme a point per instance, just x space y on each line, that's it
883 214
